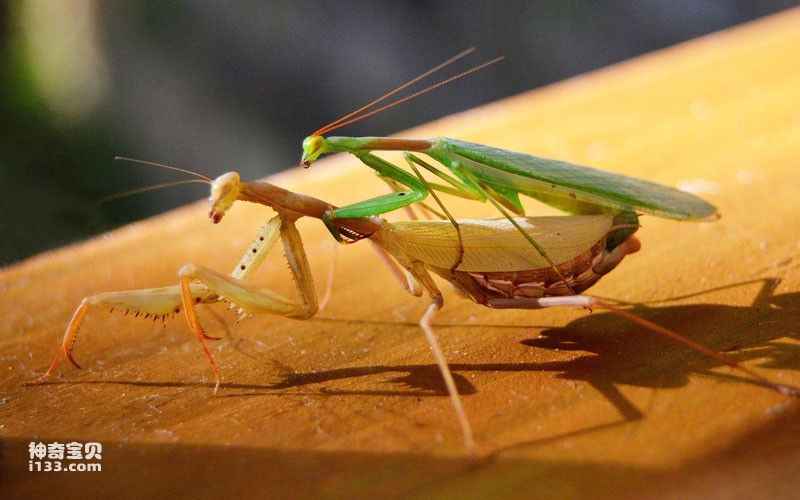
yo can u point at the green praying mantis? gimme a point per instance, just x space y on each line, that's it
497 269
484 173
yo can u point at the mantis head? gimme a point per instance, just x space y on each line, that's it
313 146
224 191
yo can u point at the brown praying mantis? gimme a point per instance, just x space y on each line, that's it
496 268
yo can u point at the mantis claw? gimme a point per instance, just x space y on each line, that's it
68 352
327 218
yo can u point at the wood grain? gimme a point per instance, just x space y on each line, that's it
563 403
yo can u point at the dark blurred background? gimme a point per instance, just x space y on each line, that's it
219 86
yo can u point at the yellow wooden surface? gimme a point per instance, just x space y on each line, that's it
563 403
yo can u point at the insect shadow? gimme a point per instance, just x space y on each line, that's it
615 352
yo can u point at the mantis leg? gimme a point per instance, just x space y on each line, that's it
417 190
157 303
427 210
213 287
251 299
406 280
444 369
418 273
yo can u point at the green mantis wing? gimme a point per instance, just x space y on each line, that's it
566 186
